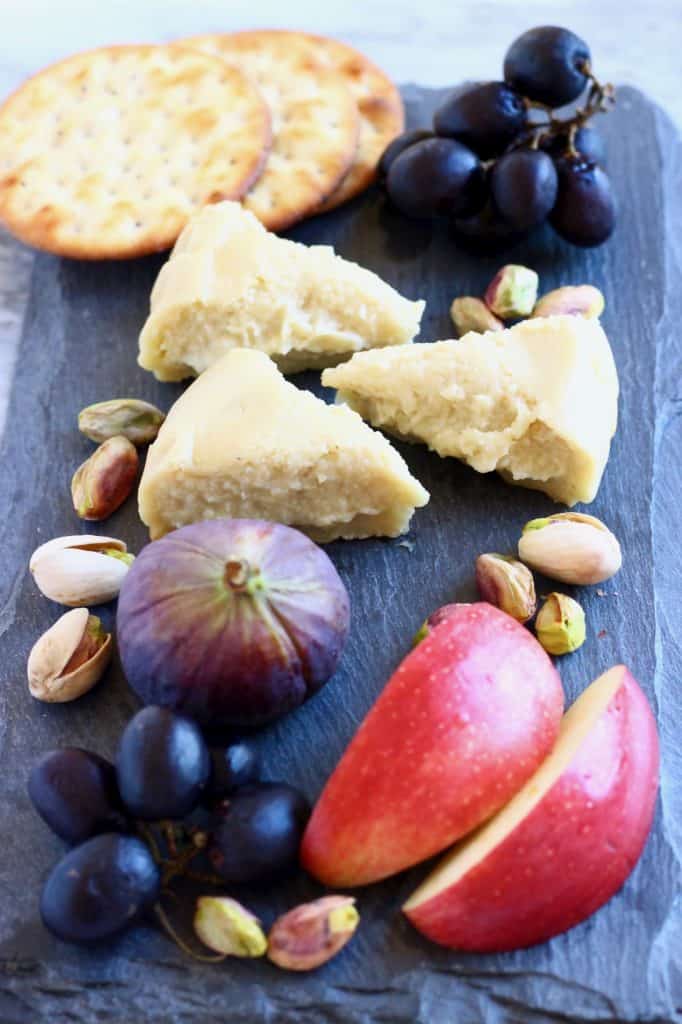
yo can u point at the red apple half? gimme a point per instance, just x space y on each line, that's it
565 843
464 721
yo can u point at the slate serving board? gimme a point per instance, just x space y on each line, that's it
79 346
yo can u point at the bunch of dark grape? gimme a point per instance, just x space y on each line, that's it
126 823
500 161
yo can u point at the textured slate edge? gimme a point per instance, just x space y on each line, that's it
666 510
428 995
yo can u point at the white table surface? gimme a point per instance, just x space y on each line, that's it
433 42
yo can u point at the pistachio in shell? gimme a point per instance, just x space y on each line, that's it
81 569
69 658
131 418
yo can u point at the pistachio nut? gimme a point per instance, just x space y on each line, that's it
80 570
227 927
512 292
105 480
506 583
470 314
69 658
560 624
132 418
571 547
313 933
573 300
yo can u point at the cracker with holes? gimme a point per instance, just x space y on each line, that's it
380 107
315 122
107 154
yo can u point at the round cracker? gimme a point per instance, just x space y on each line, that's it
380 105
315 123
107 154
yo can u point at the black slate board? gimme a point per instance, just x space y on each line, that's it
79 346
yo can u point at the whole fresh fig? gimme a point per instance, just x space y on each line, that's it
231 621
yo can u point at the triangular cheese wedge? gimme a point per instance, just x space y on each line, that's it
231 284
243 442
537 402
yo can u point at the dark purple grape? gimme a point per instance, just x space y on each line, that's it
398 146
99 888
548 64
486 233
436 176
162 765
258 832
588 143
524 187
75 793
585 211
232 767
486 118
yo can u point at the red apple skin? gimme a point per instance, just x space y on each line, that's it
464 721
571 853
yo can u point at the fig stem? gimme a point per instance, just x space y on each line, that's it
241 577
237 573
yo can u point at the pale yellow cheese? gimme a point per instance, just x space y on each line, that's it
231 284
537 402
243 442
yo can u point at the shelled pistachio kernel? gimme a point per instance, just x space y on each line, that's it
104 481
573 300
69 658
471 314
571 547
131 418
225 926
80 570
513 291
560 624
506 583
310 935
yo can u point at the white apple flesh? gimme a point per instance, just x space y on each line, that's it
564 844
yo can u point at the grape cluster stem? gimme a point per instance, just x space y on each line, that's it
599 100
173 848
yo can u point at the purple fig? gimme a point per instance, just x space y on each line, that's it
231 621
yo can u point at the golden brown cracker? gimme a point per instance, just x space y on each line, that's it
105 155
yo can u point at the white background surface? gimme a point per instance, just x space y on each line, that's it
433 42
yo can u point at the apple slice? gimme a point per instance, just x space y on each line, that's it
566 842
465 720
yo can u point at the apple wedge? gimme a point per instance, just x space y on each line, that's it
566 842
463 723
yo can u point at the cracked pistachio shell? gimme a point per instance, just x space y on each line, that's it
226 927
507 584
471 314
69 658
80 570
132 418
571 547
512 292
573 300
560 625
310 935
